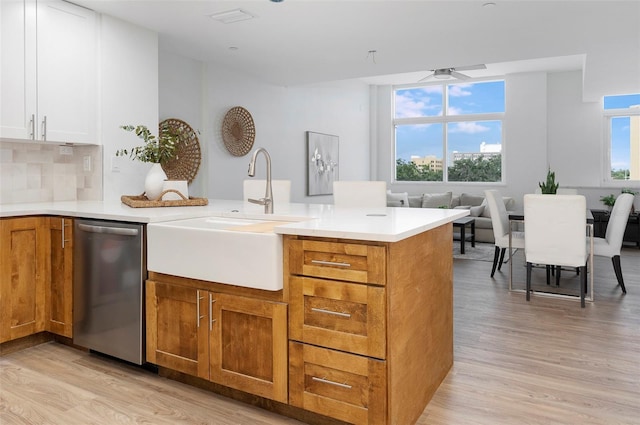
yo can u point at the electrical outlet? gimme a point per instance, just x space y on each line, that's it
66 150
86 163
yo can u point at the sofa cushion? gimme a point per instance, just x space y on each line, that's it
436 200
473 200
415 201
508 203
474 211
397 199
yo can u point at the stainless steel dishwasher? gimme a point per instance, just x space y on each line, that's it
108 298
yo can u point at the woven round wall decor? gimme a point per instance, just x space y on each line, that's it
185 164
238 131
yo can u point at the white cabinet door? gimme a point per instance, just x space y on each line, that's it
67 72
17 69
49 71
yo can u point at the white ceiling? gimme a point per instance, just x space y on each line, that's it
308 41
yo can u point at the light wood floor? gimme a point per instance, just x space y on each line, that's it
543 362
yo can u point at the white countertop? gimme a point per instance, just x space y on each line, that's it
321 220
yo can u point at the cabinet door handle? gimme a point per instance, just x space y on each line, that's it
32 127
63 233
44 128
211 319
335 313
198 298
337 384
331 263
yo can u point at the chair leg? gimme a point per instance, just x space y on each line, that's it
496 254
502 251
548 267
558 270
583 284
528 280
618 270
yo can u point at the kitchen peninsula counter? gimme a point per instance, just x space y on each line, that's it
318 220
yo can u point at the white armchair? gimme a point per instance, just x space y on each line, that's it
555 228
610 245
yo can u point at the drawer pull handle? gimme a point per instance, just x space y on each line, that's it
335 313
326 381
331 263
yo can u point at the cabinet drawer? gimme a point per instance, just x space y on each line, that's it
345 316
344 386
338 260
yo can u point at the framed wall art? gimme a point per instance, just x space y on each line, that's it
322 161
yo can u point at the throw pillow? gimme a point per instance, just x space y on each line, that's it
436 200
398 199
473 200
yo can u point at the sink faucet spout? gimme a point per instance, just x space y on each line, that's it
267 201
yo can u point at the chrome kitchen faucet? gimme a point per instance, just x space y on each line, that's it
267 201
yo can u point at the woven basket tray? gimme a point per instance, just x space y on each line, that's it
141 201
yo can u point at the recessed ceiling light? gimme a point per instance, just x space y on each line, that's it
489 5
233 48
231 16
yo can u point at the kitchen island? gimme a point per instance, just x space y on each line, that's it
361 331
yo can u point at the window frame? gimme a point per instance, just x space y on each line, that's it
445 119
608 115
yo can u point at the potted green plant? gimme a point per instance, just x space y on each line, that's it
608 200
549 186
155 150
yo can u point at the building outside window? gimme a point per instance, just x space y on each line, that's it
622 116
449 132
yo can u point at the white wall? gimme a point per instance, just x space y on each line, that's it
181 96
128 95
282 115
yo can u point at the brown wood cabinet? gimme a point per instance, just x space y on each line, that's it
22 276
59 290
233 340
36 276
370 326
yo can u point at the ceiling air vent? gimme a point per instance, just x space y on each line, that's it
232 16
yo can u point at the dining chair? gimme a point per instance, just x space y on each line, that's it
554 234
566 191
256 189
610 245
353 193
500 222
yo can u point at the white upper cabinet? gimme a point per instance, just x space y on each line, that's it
49 72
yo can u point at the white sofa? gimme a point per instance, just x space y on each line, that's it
475 203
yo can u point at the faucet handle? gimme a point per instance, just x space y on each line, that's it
261 201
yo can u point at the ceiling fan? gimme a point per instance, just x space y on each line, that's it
446 73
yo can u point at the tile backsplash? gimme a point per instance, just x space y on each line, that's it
40 172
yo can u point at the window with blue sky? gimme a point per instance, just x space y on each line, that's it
622 115
449 132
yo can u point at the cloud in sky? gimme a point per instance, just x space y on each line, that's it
419 102
459 90
469 128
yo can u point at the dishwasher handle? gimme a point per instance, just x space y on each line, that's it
109 230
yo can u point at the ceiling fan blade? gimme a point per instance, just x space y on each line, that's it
426 78
470 67
459 76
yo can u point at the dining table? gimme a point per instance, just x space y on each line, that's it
518 218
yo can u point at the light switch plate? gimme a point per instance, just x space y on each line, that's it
86 163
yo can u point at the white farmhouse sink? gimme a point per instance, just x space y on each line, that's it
225 250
